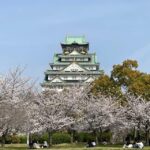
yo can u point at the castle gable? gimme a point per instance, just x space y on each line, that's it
56 80
74 68
74 53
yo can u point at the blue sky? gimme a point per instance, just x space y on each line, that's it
31 31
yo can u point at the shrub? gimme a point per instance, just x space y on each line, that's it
106 136
43 137
84 137
23 139
15 139
8 139
35 137
59 138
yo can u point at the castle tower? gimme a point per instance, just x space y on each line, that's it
75 65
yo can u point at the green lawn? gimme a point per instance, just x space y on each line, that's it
66 147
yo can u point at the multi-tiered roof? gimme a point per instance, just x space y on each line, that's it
74 66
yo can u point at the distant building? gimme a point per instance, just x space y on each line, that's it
73 66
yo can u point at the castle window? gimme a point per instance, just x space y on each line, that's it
74 77
74 70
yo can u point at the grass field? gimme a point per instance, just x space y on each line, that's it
66 147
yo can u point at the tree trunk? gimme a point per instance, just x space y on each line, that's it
138 135
3 141
123 139
147 138
138 132
135 134
96 139
100 137
28 139
49 138
72 137
147 132
96 136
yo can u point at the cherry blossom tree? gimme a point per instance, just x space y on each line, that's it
30 106
134 114
14 91
50 113
98 114
73 103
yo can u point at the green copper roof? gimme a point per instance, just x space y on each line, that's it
92 55
75 39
